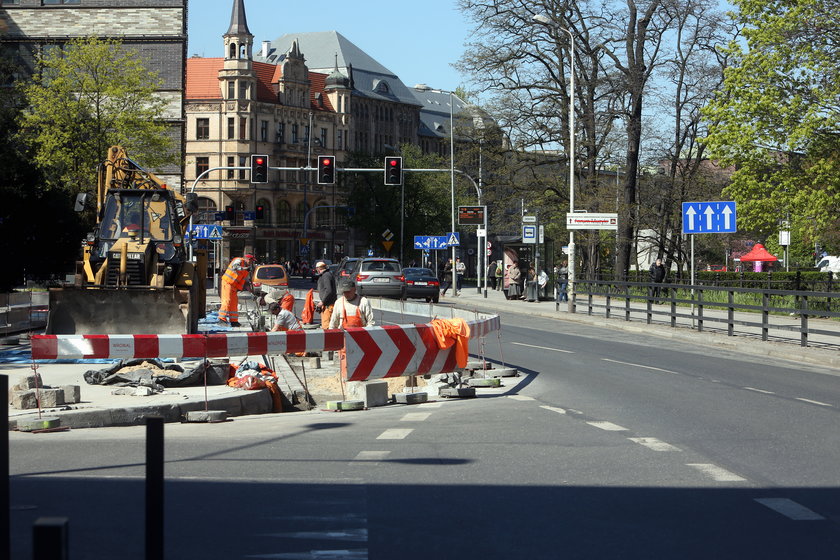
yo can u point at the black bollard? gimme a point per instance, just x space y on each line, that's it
154 488
5 493
50 538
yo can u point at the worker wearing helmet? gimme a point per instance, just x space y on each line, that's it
233 281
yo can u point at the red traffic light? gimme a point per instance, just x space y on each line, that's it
393 162
259 161
327 161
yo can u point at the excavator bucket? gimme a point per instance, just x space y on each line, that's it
109 311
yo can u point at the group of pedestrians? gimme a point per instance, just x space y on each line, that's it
459 268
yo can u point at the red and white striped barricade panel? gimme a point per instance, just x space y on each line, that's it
401 350
85 347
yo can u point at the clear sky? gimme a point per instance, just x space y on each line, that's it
417 41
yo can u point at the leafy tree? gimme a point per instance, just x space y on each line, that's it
90 95
776 118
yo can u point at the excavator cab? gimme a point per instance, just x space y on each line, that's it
135 276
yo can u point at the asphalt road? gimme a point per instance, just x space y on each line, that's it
611 445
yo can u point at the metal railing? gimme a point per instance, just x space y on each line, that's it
812 318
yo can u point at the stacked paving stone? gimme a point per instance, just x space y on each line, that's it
26 393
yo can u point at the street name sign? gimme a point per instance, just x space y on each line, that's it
709 217
529 219
589 220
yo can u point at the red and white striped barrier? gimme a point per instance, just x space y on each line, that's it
81 347
396 351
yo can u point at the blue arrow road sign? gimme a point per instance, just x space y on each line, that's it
430 242
709 217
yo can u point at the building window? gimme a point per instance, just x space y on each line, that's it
306 133
322 216
284 214
340 140
202 129
263 131
206 210
202 164
231 89
281 133
231 128
323 137
243 128
294 134
231 162
49 2
10 2
243 89
243 162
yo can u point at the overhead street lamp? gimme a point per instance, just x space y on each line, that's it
425 88
545 20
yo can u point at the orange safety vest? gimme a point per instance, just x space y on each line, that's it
236 273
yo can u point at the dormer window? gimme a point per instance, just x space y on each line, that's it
381 86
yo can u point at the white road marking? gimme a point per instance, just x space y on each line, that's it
554 409
759 390
415 416
520 397
371 456
812 402
430 405
360 554
609 426
640 366
790 509
354 535
655 444
543 347
716 473
395 433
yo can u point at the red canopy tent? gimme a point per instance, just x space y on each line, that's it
758 254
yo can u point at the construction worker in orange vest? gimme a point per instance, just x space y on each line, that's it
233 281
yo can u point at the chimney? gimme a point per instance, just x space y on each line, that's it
265 47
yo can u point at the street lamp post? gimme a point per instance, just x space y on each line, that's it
424 88
545 20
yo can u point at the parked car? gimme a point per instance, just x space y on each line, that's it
421 283
378 276
829 264
269 276
345 268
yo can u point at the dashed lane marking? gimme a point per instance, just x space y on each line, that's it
520 397
654 444
759 390
395 433
790 509
543 347
812 402
554 409
415 416
716 473
430 405
640 366
608 426
371 456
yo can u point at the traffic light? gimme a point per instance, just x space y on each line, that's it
229 213
259 212
259 169
393 171
326 170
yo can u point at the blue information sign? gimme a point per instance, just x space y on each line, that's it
709 217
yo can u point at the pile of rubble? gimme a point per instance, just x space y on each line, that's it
30 389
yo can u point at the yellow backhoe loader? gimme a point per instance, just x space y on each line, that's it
135 276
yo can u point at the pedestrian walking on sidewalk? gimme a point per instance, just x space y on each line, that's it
514 276
562 280
531 285
491 275
657 277
500 274
460 270
447 277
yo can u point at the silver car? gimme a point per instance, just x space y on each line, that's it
379 276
